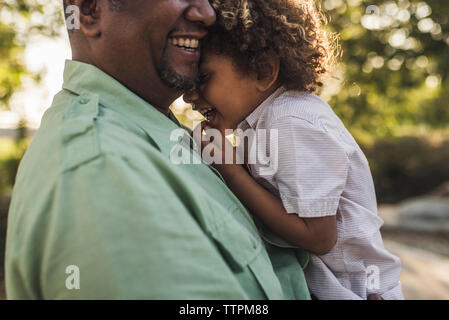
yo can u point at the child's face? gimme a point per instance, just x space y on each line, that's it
226 97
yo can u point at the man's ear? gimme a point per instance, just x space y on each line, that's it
269 66
89 16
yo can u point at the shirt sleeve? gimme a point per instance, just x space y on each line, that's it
312 168
131 237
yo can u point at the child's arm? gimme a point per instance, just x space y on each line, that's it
317 235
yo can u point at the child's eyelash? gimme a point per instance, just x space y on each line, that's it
202 78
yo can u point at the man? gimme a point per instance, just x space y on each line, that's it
99 211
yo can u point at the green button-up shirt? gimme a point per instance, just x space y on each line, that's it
101 211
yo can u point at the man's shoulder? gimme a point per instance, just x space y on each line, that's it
298 105
78 135
80 141
79 129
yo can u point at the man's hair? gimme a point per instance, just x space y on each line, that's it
292 29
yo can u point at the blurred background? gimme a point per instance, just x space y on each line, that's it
391 89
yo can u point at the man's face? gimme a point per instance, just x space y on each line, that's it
145 39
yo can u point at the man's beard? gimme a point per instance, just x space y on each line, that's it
173 79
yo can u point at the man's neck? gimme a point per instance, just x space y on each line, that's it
160 96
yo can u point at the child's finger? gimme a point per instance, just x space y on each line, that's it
197 134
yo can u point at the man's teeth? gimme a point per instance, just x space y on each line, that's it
191 43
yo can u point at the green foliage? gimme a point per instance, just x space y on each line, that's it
8 170
10 67
393 81
394 74
20 21
11 152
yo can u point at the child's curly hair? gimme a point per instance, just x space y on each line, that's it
292 29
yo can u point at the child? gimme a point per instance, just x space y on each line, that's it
260 65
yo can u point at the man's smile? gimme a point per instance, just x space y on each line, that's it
185 43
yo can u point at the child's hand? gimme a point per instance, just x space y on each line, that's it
217 150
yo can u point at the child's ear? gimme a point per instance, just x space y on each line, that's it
268 73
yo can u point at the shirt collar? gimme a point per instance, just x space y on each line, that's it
254 116
81 78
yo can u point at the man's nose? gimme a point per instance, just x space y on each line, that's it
201 11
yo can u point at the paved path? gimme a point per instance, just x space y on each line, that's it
425 275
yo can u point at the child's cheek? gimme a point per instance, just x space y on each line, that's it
215 95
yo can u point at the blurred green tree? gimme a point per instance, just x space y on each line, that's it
393 80
20 20
394 77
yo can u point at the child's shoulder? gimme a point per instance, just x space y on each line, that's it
306 111
303 105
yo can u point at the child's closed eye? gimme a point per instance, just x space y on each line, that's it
202 78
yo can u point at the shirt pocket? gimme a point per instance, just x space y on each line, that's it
237 244
237 239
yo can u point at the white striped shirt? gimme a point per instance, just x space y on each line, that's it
323 172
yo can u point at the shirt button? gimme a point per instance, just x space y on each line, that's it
254 244
84 100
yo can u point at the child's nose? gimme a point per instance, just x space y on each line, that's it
191 96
